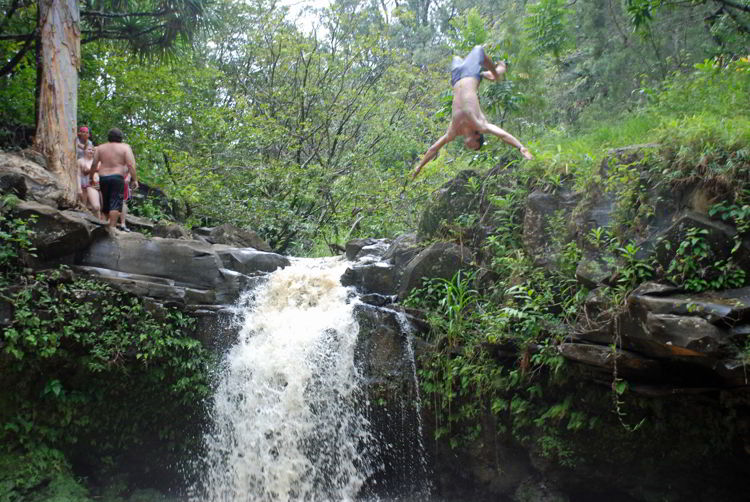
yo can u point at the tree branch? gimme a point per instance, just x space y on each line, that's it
734 5
25 36
17 58
118 35
740 26
115 15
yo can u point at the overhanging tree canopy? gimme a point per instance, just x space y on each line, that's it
56 28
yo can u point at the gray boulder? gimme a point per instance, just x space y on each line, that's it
447 203
629 364
170 230
666 337
146 286
140 224
58 235
729 307
355 245
23 174
215 326
545 225
595 268
188 263
249 261
237 237
357 249
441 259
687 337
402 250
377 277
719 237
184 271
386 356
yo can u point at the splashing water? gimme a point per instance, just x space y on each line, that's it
288 417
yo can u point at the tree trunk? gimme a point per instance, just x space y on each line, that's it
58 67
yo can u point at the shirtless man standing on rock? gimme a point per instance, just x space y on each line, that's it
468 120
115 160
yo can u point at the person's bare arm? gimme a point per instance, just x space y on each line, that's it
130 159
95 161
432 152
508 138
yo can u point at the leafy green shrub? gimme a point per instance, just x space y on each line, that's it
738 214
147 209
41 475
695 268
91 371
15 240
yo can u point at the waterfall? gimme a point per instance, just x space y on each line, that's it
288 414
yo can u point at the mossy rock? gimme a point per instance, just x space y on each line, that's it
448 203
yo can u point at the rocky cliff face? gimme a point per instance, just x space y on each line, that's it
202 272
656 355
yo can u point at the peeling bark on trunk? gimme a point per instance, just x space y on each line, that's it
60 36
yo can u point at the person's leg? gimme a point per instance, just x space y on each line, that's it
112 193
124 215
83 196
94 203
104 186
102 217
113 217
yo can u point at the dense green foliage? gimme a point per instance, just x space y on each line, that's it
306 132
96 374
15 241
497 345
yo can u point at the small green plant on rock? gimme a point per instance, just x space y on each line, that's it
634 269
738 214
16 239
694 268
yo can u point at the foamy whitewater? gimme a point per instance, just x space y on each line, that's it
288 417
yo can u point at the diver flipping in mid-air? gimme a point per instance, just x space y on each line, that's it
467 119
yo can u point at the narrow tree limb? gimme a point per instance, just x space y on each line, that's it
739 6
19 55
116 15
118 35
25 36
740 25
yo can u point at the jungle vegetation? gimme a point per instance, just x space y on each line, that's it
304 125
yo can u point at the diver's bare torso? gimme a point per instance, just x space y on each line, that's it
467 117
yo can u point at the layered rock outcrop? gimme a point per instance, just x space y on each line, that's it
203 275
682 355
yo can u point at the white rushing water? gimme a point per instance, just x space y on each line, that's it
288 417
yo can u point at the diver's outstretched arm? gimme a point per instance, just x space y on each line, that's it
432 152
508 138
